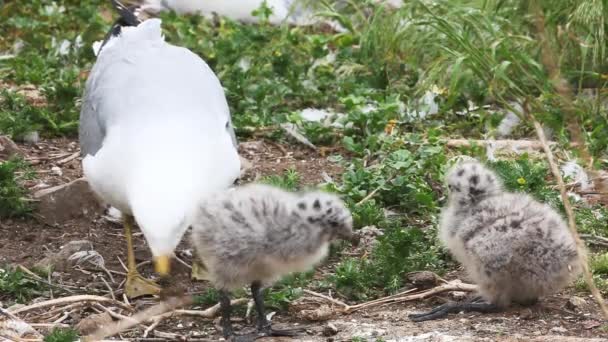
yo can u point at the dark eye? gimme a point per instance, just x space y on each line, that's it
227 124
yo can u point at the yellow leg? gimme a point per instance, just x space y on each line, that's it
136 285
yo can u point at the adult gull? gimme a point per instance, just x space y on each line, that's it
156 137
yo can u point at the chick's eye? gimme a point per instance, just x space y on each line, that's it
227 124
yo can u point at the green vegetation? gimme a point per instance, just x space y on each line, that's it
289 180
62 335
16 286
12 193
476 58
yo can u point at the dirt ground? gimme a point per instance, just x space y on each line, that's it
27 241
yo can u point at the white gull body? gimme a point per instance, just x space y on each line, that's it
155 133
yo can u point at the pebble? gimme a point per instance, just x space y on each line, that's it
330 330
56 170
560 330
31 137
575 302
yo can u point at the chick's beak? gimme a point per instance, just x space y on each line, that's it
162 265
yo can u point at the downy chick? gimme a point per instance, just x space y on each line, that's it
255 234
514 248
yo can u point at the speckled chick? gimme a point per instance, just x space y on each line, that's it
257 233
515 248
260 233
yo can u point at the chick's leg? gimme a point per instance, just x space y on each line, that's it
136 285
264 327
475 305
225 312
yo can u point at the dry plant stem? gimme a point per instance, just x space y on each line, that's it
109 288
582 250
6 317
400 297
69 158
155 315
375 191
138 318
532 145
80 299
550 61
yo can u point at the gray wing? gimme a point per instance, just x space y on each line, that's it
92 130
230 129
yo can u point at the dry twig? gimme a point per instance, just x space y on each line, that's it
68 158
550 61
528 145
80 299
405 296
582 250
139 317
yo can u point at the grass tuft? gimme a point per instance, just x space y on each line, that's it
13 195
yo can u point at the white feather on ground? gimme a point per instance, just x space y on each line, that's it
577 175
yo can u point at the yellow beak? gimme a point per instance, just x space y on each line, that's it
162 265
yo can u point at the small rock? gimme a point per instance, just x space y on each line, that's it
422 280
254 145
31 137
93 322
575 303
8 148
59 261
246 165
67 201
591 324
12 328
330 330
56 170
368 237
527 314
559 330
459 295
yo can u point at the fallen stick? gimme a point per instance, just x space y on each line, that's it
156 314
69 158
400 297
138 318
72 299
595 240
534 145
580 246
207 313
14 329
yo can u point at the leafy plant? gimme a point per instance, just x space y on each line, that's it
210 297
16 286
12 193
289 180
528 176
62 335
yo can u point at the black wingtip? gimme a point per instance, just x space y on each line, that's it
127 18
127 14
